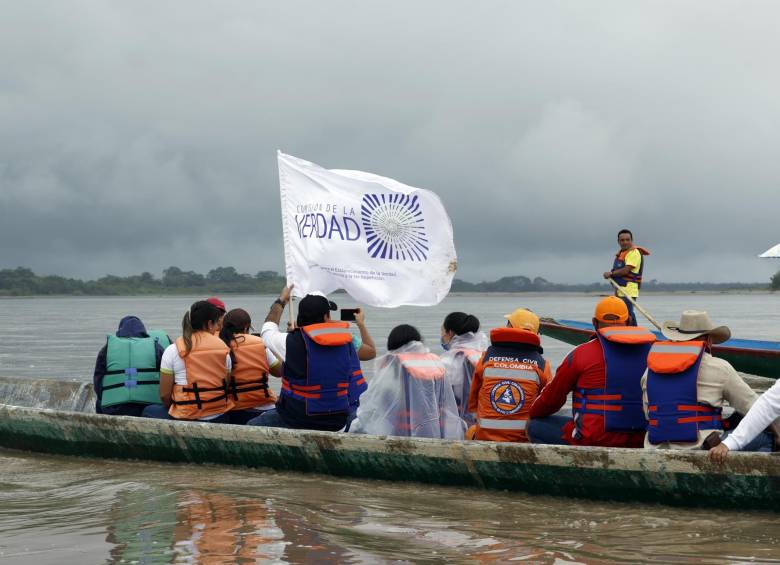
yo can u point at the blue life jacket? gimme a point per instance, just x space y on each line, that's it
620 401
325 375
674 412
620 262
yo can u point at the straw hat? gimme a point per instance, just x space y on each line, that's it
693 324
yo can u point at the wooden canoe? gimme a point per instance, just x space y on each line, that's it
55 417
746 355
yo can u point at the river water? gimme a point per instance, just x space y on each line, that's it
70 510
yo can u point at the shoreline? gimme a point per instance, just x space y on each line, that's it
604 292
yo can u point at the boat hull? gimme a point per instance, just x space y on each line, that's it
752 360
746 481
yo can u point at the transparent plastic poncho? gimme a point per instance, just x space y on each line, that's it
398 403
460 368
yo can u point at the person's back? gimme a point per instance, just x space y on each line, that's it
127 370
603 376
321 377
685 387
508 379
409 396
463 346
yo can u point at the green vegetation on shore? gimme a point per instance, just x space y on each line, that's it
225 280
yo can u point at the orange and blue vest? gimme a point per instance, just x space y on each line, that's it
674 412
322 369
620 262
620 401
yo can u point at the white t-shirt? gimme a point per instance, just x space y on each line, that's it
276 340
172 363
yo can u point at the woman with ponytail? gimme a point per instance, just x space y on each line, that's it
252 362
463 346
195 370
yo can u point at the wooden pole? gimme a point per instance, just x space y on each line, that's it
620 292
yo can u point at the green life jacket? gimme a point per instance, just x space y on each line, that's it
131 369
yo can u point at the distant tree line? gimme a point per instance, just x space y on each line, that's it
538 284
225 280
24 282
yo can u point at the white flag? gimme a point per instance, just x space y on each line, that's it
385 243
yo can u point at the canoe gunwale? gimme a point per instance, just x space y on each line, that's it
672 477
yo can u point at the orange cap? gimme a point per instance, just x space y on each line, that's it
611 306
523 319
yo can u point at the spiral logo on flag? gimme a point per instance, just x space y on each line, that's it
394 227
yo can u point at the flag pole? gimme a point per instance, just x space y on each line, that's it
291 310
620 291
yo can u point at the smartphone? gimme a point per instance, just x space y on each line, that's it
348 314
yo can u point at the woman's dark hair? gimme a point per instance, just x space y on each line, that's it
460 323
401 335
237 321
197 318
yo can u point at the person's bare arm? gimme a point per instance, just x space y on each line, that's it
367 350
277 308
166 388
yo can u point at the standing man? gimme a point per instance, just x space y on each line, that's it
627 270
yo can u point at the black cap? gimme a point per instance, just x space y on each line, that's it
314 306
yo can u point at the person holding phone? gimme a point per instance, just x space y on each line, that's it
364 345
321 376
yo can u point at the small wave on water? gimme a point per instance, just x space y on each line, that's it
68 510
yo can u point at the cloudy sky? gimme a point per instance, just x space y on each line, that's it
138 135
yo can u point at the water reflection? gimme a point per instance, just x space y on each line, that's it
68 510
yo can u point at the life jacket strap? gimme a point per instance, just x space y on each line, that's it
706 414
596 401
131 370
248 386
130 384
196 390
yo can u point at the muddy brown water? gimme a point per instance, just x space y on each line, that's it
72 510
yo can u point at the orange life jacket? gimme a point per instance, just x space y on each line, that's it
205 393
249 378
511 381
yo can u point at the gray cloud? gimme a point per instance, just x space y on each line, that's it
138 135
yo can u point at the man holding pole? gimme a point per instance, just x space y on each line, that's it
627 271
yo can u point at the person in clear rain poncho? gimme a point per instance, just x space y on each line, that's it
463 346
409 394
